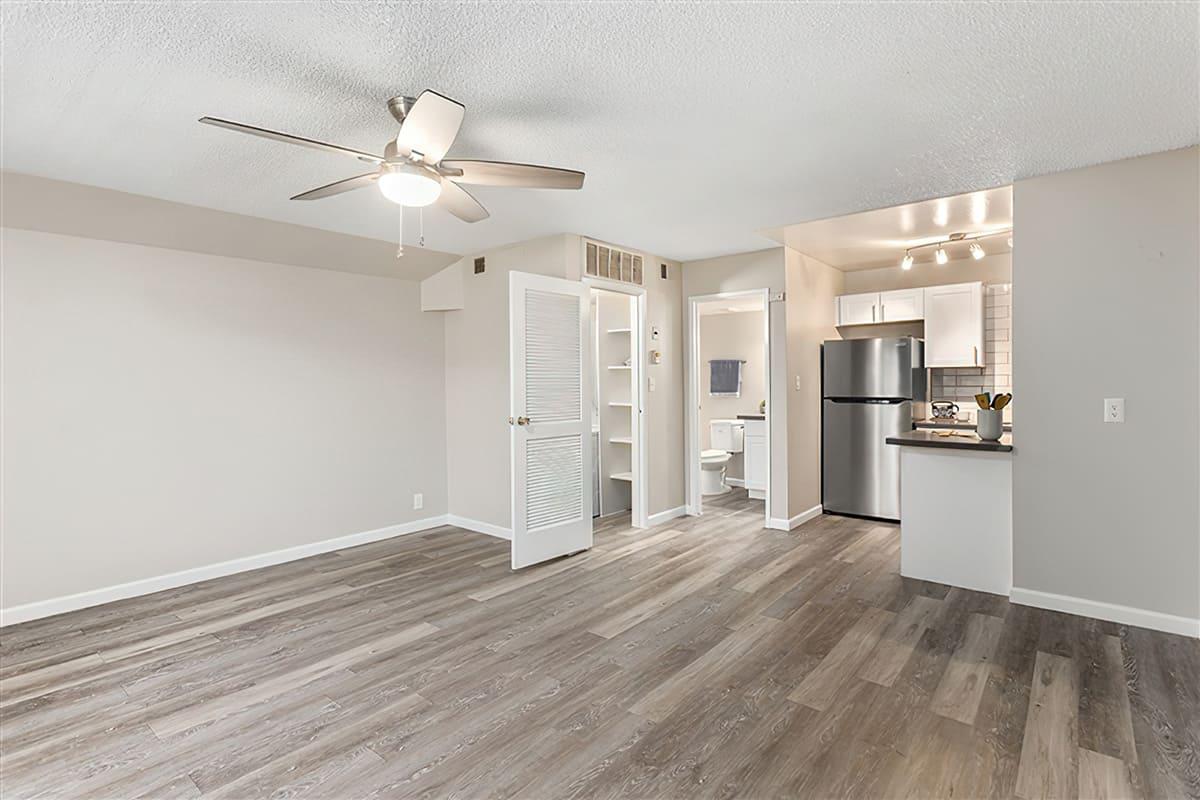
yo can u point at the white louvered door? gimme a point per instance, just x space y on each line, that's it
551 418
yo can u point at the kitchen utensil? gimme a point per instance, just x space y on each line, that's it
984 400
1001 400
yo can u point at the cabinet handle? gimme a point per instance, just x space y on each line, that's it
872 313
975 354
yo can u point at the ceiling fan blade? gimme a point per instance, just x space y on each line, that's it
337 187
459 202
430 126
503 173
289 138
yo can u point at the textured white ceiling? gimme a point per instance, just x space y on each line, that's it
698 124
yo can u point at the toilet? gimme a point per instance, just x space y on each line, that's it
726 436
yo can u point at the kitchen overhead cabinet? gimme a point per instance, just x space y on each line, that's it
954 325
902 305
858 309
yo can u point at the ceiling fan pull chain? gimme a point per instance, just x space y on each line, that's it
400 235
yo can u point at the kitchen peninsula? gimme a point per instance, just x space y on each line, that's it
956 509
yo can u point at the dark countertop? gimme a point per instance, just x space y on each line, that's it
942 424
751 416
928 438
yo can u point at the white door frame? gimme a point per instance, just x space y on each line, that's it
639 458
695 503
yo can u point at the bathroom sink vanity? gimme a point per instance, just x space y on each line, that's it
754 454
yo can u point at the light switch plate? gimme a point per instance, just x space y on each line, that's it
797 383
1114 409
651 382
418 501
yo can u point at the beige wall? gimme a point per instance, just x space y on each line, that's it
1106 263
761 269
989 269
739 335
168 410
811 288
477 370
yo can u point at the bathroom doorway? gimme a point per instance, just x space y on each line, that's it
728 421
619 475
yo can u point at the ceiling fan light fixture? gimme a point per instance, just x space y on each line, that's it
409 185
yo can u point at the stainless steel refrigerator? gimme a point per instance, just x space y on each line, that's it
868 388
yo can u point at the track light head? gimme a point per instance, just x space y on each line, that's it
976 251
940 256
907 261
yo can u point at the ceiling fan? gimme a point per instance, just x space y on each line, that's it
411 171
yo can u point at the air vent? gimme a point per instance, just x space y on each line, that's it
479 265
662 268
602 261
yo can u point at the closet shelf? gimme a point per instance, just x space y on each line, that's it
621 405
620 330
621 440
622 476
619 366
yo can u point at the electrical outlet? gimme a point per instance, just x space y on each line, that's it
1114 409
797 383
418 501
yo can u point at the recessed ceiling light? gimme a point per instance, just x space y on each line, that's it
976 251
940 255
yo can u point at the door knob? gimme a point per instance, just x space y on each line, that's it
518 421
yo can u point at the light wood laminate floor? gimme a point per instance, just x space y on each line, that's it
705 658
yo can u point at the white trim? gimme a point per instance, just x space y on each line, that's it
667 516
735 482
639 514
173 580
695 502
778 524
479 527
1112 612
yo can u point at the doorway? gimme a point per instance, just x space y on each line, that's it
619 475
728 384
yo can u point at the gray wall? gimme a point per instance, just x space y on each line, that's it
1106 264
739 335
167 410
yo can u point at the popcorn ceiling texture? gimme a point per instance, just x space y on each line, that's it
697 123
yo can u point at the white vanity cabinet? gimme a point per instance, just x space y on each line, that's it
954 325
754 457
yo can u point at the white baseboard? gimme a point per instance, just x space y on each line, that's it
778 524
1126 615
479 527
666 516
109 594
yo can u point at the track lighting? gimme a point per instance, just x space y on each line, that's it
941 256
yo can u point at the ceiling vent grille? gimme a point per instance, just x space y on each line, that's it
602 261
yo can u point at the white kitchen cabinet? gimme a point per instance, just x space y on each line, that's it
954 324
754 457
858 309
902 305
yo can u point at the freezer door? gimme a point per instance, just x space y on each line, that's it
869 367
860 473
